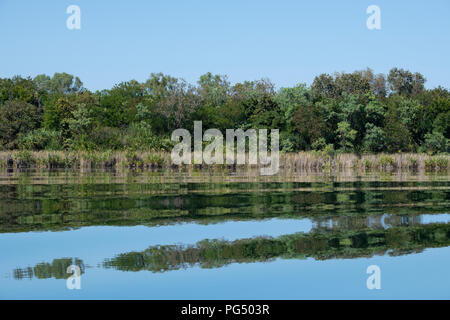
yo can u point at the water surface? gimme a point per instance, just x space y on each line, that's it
223 235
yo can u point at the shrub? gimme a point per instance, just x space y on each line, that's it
435 143
367 164
413 163
41 139
54 160
374 139
71 160
436 164
155 160
140 137
107 138
132 159
319 144
24 158
385 161
17 118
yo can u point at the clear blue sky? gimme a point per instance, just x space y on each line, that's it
287 41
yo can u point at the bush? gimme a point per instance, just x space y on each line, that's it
155 160
24 158
435 143
319 144
71 160
17 118
367 164
385 161
133 160
54 160
105 158
413 163
346 136
374 139
106 138
436 164
41 139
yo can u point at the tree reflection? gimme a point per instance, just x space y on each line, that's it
57 269
320 246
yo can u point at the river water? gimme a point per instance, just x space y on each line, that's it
223 235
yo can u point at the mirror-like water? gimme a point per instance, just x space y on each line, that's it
203 235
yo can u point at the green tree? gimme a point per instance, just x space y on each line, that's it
213 89
308 125
60 83
117 107
397 135
17 118
18 88
405 82
442 124
436 142
346 136
81 125
174 99
374 139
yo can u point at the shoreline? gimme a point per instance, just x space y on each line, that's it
309 161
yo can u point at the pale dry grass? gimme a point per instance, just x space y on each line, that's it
289 162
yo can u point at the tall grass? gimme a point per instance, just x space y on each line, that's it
289 162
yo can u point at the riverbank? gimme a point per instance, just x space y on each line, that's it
296 162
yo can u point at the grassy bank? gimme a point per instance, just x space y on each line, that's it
296 162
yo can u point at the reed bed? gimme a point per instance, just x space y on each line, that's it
366 162
289 162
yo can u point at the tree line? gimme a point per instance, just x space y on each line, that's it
214 253
359 112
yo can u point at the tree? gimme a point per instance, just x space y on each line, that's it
442 124
308 125
396 133
436 142
374 138
265 113
18 88
213 89
291 99
352 83
413 115
378 85
81 125
346 136
375 112
358 83
323 85
117 107
60 83
174 99
357 111
404 82
353 111
17 118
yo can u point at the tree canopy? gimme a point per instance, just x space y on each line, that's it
349 112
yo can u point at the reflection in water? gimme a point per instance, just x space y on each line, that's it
348 217
364 235
342 245
57 269
32 207
378 221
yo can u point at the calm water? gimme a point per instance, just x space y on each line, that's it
230 235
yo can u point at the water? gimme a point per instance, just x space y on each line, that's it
223 235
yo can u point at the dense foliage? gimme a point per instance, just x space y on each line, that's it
215 253
351 112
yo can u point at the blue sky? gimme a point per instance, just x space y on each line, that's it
287 41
